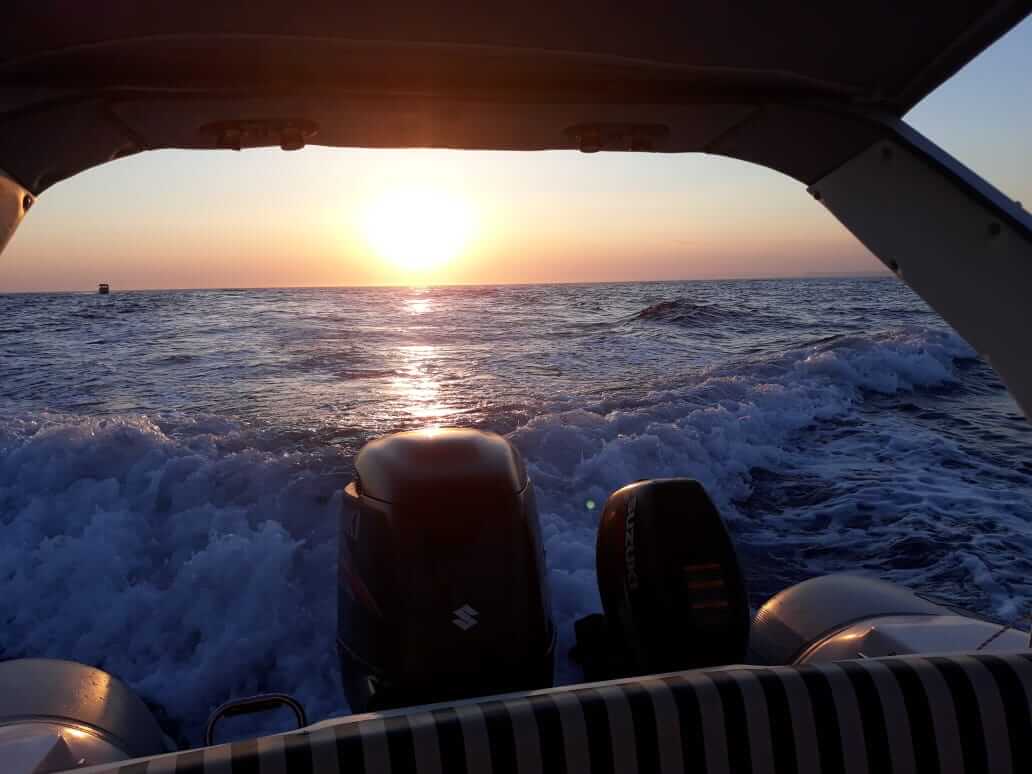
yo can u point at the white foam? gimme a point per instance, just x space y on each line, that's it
716 427
197 562
165 560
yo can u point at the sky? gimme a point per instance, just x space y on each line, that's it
328 217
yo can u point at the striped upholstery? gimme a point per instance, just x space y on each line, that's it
968 713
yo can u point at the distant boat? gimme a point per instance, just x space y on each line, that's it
103 289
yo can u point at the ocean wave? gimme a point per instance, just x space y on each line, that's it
686 312
719 423
722 426
178 557
194 556
683 311
461 291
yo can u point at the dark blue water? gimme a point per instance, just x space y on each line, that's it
171 463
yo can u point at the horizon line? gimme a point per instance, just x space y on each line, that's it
866 274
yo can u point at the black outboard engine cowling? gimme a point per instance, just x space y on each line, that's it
442 591
671 585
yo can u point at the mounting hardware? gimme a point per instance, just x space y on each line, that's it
230 138
591 138
642 143
292 139
590 141
288 133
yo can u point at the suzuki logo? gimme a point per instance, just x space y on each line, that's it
465 617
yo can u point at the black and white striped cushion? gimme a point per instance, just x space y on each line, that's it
957 713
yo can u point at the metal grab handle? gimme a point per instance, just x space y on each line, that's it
250 705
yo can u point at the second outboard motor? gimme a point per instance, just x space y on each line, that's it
670 582
442 591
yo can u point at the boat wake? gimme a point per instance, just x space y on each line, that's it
195 556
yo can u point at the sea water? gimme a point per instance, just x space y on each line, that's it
171 463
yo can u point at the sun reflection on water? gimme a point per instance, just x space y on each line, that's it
419 392
418 305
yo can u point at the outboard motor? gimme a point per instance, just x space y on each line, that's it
670 582
442 591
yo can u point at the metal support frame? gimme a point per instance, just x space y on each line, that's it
963 246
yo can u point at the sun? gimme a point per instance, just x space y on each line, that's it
418 228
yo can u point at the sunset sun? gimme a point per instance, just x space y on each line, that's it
418 229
